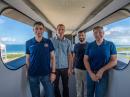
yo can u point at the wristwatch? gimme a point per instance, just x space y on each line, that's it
53 72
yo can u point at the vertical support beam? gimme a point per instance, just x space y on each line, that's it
76 38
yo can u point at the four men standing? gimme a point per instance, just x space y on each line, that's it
96 57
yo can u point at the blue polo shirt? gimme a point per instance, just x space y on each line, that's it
39 56
99 55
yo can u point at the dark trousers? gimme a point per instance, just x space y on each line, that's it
63 73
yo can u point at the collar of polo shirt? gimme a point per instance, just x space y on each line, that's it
59 38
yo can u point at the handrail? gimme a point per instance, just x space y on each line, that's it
15 64
121 65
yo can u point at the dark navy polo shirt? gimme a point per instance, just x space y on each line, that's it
79 51
39 56
99 55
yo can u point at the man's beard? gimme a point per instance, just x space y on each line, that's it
81 40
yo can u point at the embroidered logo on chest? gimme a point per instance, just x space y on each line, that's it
45 45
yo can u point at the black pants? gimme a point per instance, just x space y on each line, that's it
64 77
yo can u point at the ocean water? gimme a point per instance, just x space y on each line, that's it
15 48
21 48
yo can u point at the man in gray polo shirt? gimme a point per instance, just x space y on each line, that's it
63 55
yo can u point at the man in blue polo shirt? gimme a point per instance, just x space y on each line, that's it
39 54
100 57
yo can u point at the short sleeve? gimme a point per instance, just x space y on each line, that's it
69 47
51 47
113 49
27 48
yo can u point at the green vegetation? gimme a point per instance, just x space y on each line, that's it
127 56
123 49
12 56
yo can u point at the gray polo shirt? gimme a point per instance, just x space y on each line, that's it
62 48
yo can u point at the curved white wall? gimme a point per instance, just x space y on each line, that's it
13 83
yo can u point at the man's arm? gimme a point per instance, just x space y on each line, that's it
73 59
73 56
87 66
70 60
27 60
53 61
111 64
70 67
27 63
53 65
69 56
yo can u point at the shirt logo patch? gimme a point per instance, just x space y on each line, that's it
45 45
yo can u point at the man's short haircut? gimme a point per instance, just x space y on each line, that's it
81 32
59 25
98 27
38 23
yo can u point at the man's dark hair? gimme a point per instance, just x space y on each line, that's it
81 32
38 23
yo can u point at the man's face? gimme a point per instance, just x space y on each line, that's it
61 30
38 30
98 34
81 37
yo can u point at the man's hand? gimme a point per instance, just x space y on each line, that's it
99 74
93 76
70 72
52 77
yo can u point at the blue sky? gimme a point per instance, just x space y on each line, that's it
118 32
14 32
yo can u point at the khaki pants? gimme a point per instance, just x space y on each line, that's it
81 84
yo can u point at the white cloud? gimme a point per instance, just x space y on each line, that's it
121 40
120 30
124 40
117 29
107 33
119 35
89 36
105 29
8 39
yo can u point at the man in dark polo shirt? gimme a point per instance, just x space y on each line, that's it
80 71
100 57
39 56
